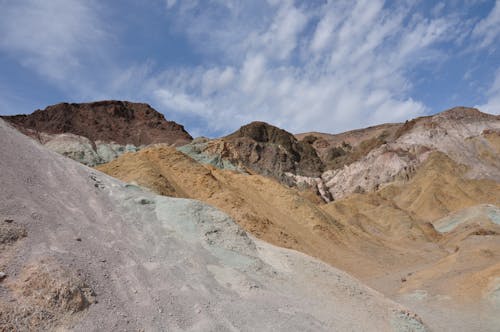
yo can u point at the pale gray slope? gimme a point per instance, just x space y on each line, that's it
158 263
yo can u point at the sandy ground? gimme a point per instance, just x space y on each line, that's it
120 258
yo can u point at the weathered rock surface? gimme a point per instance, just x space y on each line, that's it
337 150
95 133
466 135
262 149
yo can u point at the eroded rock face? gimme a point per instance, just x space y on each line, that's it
96 133
266 148
260 148
392 153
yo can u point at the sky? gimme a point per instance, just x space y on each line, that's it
215 65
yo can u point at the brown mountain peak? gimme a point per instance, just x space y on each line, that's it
462 112
117 121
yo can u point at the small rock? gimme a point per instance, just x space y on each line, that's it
79 239
2 275
403 279
9 221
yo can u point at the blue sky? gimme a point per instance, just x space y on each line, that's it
214 65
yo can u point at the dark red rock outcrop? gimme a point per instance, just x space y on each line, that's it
122 122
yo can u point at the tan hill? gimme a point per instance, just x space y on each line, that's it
260 205
437 213
98 132
270 211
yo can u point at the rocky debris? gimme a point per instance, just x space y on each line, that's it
10 232
48 285
97 132
2 275
404 320
42 297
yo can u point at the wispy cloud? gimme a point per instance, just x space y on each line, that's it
303 65
492 104
340 65
488 29
57 38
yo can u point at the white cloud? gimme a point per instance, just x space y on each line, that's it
54 38
171 3
216 79
343 65
182 102
302 65
492 105
488 29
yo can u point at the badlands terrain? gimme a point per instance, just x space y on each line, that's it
389 228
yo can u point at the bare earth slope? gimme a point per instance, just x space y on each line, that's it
261 205
382 237
97 132
440 214
85 252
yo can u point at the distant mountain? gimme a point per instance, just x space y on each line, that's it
365 159
98 132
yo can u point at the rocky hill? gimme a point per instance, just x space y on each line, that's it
392 153
387 238
84 252
337 150
413 212
98 132
260 148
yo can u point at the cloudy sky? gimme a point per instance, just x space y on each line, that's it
214 65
